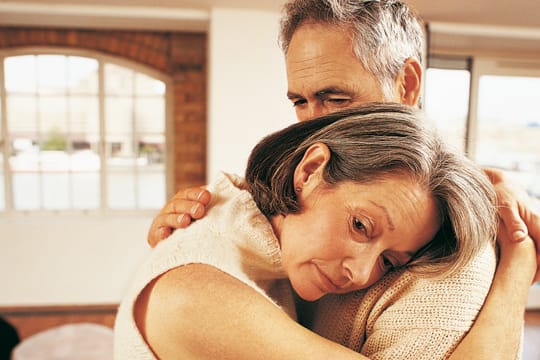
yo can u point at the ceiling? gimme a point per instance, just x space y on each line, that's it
165 14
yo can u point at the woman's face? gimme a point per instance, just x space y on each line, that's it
346 238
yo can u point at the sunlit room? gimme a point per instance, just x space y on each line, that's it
108 108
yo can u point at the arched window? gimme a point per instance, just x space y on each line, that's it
81 133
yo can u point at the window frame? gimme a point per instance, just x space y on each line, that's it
479 66
497 66
102 59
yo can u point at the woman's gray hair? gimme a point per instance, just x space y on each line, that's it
370 143
385 33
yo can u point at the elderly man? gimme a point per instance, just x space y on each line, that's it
340 54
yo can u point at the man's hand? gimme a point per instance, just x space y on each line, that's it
187 205
516 212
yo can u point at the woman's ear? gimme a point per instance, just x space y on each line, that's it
308 172
409 82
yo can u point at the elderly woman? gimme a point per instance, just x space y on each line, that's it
328 206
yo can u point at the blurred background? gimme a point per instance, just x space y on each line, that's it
108 107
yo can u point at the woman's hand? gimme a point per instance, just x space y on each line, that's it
184 207
516 212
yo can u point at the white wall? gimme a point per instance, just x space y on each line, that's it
67 259
61 259
247 89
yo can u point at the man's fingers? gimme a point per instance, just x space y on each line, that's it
190 202
515 226
178 212
198 194
164 225
534 227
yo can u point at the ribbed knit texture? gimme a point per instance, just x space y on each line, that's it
234 237
401 317
404 316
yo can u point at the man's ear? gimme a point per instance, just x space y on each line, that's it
409 82
308 172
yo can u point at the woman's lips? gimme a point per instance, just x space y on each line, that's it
327 284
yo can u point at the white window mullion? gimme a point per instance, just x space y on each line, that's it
39 138
69 137
134 136
102 137
472 126
5 135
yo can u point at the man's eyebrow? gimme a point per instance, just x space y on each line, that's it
332 90
388 218
291 95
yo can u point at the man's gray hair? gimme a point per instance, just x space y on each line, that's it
385 33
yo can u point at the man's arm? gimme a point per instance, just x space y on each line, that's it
516 212
496 333
198 312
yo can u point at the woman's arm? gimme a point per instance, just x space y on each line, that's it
196 311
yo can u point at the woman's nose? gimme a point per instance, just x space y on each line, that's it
360 271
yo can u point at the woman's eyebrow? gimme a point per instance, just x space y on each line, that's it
387 215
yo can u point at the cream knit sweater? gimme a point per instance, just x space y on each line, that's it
400 317
235 237
408 317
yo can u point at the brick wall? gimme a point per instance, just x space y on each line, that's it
182 56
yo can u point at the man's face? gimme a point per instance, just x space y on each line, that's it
324 75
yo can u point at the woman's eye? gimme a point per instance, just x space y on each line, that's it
387 263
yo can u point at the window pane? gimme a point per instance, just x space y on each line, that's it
83 75
449 116
120 170
53 114
86 190
21 114
121 189
150 115
20 74
25 154
52 74
2 176
118 80
26 191
55 131
3 142
119 117
151 188
152 148
145 85
55 196
84 115
509 128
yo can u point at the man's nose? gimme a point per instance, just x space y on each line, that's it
311 111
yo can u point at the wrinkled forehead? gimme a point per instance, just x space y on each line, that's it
322 56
